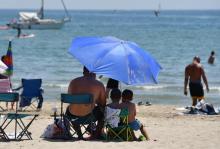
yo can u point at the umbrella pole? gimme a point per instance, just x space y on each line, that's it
120 86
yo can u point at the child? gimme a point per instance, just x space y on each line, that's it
127 96
115 97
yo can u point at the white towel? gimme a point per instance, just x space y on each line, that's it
112 117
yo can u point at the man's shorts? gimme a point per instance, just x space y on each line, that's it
135 125
196 90
97 113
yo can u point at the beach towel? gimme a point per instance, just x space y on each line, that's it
201 108
112 117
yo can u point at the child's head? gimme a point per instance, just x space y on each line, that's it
127 95
115 95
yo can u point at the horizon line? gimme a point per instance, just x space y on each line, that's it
58 9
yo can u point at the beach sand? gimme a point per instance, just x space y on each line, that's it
166 128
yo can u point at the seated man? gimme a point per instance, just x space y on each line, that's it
88 84
127 97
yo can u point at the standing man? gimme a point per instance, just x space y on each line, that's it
18 31
193 74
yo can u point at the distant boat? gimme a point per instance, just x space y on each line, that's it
157 12
36 20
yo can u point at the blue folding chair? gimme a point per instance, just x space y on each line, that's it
31 95
19 124
86 122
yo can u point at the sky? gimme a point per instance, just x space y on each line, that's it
113 4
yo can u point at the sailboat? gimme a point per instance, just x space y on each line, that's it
36 20
157 12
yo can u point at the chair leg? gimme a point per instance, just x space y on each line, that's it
3 135
2 109
23 132
25 129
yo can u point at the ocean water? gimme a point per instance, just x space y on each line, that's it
173 38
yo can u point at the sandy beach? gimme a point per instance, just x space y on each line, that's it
166 128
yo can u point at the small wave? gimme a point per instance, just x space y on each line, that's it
152 87
215 88
56 85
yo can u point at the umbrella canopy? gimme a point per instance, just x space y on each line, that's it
8 60
121 60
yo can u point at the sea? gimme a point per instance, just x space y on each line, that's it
173 38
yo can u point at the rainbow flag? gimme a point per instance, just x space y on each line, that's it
9 60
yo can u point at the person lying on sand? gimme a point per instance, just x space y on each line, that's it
88 84
127 97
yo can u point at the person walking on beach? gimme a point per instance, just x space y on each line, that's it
193 74
88 84
211 59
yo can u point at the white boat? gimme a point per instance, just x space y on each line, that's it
36 20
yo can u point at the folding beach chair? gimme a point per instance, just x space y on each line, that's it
122 132
31 96
5 87
20 127
84 122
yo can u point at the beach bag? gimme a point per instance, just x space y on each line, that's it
57 130
206 108
210 109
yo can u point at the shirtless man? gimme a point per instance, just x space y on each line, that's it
88 84
194 73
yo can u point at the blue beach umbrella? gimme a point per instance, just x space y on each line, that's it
111 57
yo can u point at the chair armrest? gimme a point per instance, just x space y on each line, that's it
18 88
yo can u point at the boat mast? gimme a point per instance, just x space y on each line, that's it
66 11
41 12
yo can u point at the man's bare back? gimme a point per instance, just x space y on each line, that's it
86 84
194 72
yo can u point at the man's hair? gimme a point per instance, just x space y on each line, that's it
213 53
85 70
115 95
127 94
197 59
